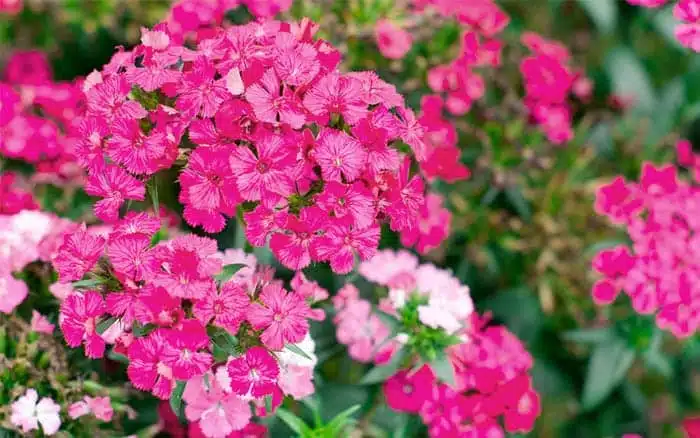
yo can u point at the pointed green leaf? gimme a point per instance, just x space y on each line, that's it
630 79
176 401
153 193
607 367
294 348
228 272
295 423
87 284
106 323
268 403
443 369
342 420
390 321
590 336
603 13
519 203
224 340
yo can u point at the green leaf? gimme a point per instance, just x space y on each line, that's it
603 13
654 357
106 323
379 374
140 330
443 369
390 321
341 421
295 423
228 272
667 111
294 348
87 284
153 193
224 340
601 139
629 78
518 202
607 367
176 401
268 403
590 336
665 23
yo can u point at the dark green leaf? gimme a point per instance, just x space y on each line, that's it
176 401
518 202
106 323
601 139
228 272
341 421
379 374
666 112
268 403
602 12
295 423
607 367
117 357
224 340
153 193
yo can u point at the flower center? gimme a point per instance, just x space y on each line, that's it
262 167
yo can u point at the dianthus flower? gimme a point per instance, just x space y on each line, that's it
28 412
688 32
254 374
281 315
659 271
393 42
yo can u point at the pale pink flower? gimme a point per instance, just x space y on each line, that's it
393 41
27 414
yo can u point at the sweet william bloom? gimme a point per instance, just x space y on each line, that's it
11 7
80 314
115 186
688 32
130 147
406 391
146 370
12 293
209 190
393 41
295 246
186 265
340 244
254 374
648 3
336 94
40 324
100 407
433 226
691 427
226 307
109 100
350 201
182 352
267 176
297 381
271 107
218 412
27 414
281 314
200 93
78 254
339 155
131 256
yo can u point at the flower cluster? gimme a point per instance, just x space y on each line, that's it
659 271
461 375
180 315
266 125
13 197
25 237
37 118
548 82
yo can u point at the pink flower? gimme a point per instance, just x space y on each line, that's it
116 186
109 100
406 391
40 324
336 94
270 106
131 256
12 293
28 68
393 41
209 190
226 307
295 246
218 413
297 381
647 3
339 155
79 253
27 414
281 314
101 407
130 147
11 7
146 369
267 176
340 244
433 226
80 314
254 374
200 94
186 266
350 201
181 353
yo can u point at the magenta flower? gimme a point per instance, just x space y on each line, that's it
131 256
187 264
146 370
200 93
407 391
271 106
349 201
339 155
182 351
109 100
12 293
115 186
80 314
130 147
340 244
393 41
281 314
294 247
336 94
226 307
295 62
267 176
209 190
78 254
254 374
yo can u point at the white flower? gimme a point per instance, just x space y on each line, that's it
307 345
28 414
